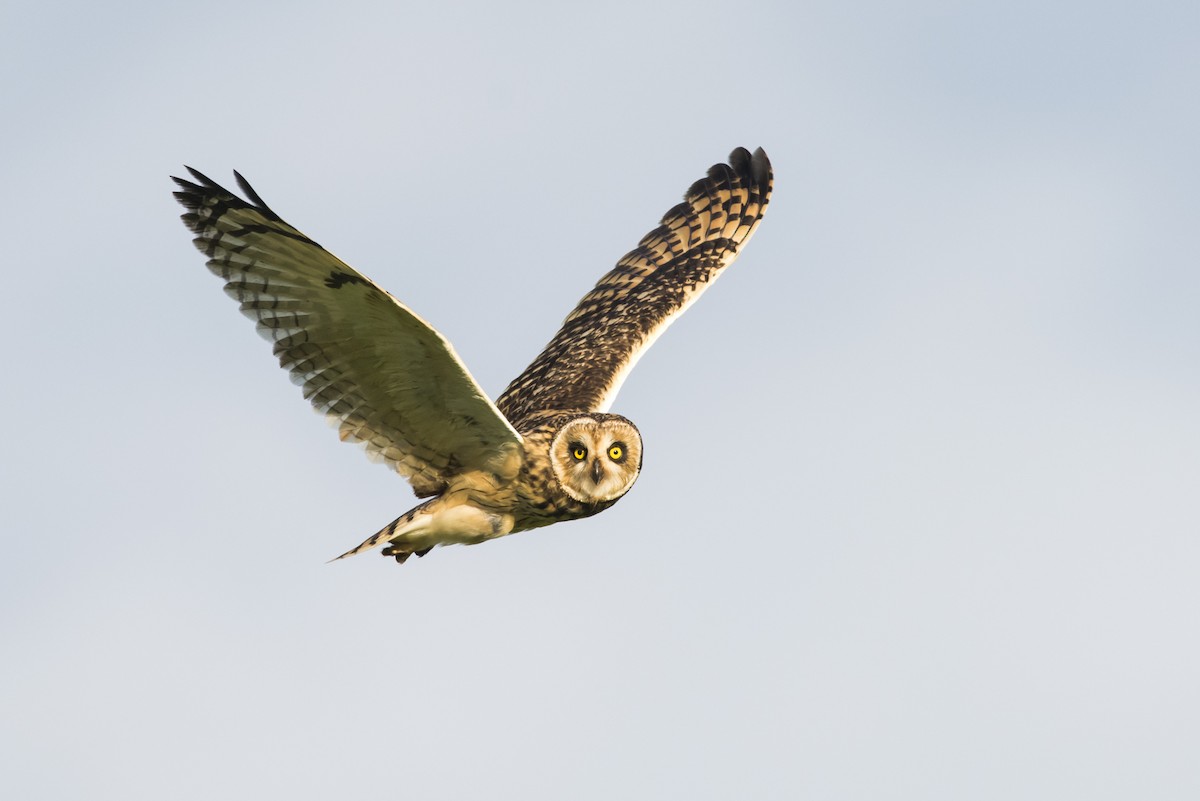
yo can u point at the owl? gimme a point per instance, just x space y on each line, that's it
547 449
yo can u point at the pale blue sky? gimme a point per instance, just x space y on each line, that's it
918 517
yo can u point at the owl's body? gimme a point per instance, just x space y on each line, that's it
481 505
547 450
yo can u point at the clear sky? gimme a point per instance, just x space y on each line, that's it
919 516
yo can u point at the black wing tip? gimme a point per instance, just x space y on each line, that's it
199 186
755 167
199 176
752 170
760 168
189 191
254 197
193 193
739 159
199 180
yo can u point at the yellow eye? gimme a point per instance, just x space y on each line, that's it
616 453
580 453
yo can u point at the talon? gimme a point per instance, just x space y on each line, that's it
399 553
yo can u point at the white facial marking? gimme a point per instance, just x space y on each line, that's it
596 460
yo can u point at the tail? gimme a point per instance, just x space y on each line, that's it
413 520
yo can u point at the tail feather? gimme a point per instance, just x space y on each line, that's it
397 528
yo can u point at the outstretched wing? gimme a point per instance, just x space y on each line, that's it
384 375
602 339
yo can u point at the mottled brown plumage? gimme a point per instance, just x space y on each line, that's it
547 450
585 363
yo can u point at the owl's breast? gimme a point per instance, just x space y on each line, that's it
540 503
540 500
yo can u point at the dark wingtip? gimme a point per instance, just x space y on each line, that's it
203 179
760 167
739 159
254 197
187 186
193 192
756 167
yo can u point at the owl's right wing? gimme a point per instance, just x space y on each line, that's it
583 366
376 369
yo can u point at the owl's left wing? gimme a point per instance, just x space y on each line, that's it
602 339
384 375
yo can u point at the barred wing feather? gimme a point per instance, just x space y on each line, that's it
584 365
384 375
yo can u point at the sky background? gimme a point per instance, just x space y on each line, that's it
919 516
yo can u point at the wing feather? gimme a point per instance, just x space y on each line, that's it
383 375
584 365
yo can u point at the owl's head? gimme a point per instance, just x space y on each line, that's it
596 457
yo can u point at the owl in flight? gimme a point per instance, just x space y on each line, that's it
547 449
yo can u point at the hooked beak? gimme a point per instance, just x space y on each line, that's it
597 471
